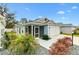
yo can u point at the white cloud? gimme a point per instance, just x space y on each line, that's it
63 17
27 9
40 16
68 10
74 7
61 12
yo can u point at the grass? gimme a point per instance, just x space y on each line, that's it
77 35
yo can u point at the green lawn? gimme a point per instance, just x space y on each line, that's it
77 35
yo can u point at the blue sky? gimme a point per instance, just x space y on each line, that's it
60 12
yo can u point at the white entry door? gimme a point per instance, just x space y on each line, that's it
36 31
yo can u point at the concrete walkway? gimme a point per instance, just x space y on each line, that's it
4 52
48 43
74 50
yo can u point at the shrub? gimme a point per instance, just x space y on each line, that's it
23 45
45 37
76 31
19 44
67 41
8 36
61 32
5 44
61 47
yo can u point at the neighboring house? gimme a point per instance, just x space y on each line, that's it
2 27
38 27
66 28
76 31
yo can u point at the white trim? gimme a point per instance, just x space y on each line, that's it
36 26
32 30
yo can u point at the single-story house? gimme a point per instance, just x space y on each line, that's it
66 28
38 27
2 27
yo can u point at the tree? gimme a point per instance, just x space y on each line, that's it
10 17
10 22
3 9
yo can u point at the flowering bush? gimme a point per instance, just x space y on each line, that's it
61 47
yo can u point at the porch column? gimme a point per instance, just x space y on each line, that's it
32 30
38 31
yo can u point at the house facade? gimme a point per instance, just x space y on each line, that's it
66 28
38 27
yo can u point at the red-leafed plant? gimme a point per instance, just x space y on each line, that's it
61 47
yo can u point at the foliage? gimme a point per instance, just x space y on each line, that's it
3 11
23 20
8 37
10 17
5 43
10 22
45 37
23 45
76 31
61 32
19 44
61 47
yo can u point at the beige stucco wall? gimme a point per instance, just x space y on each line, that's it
46 30
67 30
52 31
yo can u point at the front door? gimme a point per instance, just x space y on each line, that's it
36 31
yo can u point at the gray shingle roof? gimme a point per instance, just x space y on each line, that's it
40 22
44 21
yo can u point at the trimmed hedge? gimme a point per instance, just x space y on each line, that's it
45 37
